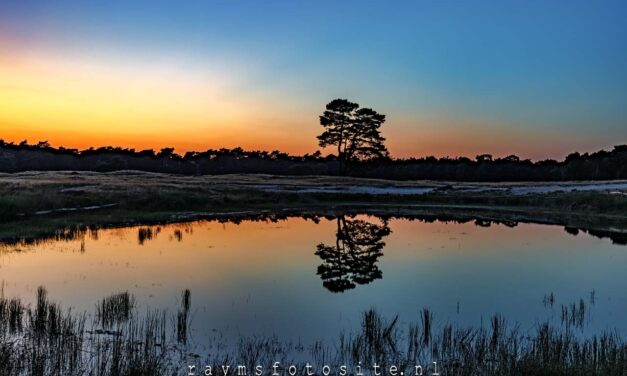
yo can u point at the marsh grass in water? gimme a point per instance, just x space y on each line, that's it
574 314
44 339
182 323
115 309
495 349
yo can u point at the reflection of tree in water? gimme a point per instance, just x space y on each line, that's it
353 259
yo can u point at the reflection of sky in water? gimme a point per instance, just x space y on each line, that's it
260 278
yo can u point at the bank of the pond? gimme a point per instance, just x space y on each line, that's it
39 203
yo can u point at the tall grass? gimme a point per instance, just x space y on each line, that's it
496 349
115 309
44 339
182 322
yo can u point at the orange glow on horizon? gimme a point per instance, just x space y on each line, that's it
79 103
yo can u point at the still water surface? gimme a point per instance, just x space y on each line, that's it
303 279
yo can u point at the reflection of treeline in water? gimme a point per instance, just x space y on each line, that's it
601 165
47 340
147 233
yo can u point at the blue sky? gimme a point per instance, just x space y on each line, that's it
549 74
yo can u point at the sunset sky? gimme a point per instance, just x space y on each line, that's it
535 78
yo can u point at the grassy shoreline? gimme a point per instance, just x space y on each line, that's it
40 204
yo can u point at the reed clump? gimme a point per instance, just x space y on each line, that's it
44 339
115 309
182 322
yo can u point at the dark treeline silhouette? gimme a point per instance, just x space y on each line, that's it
601 165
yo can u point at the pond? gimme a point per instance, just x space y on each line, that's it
311 279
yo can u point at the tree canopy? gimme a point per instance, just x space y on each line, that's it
353 130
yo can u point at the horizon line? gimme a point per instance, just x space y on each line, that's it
45 144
